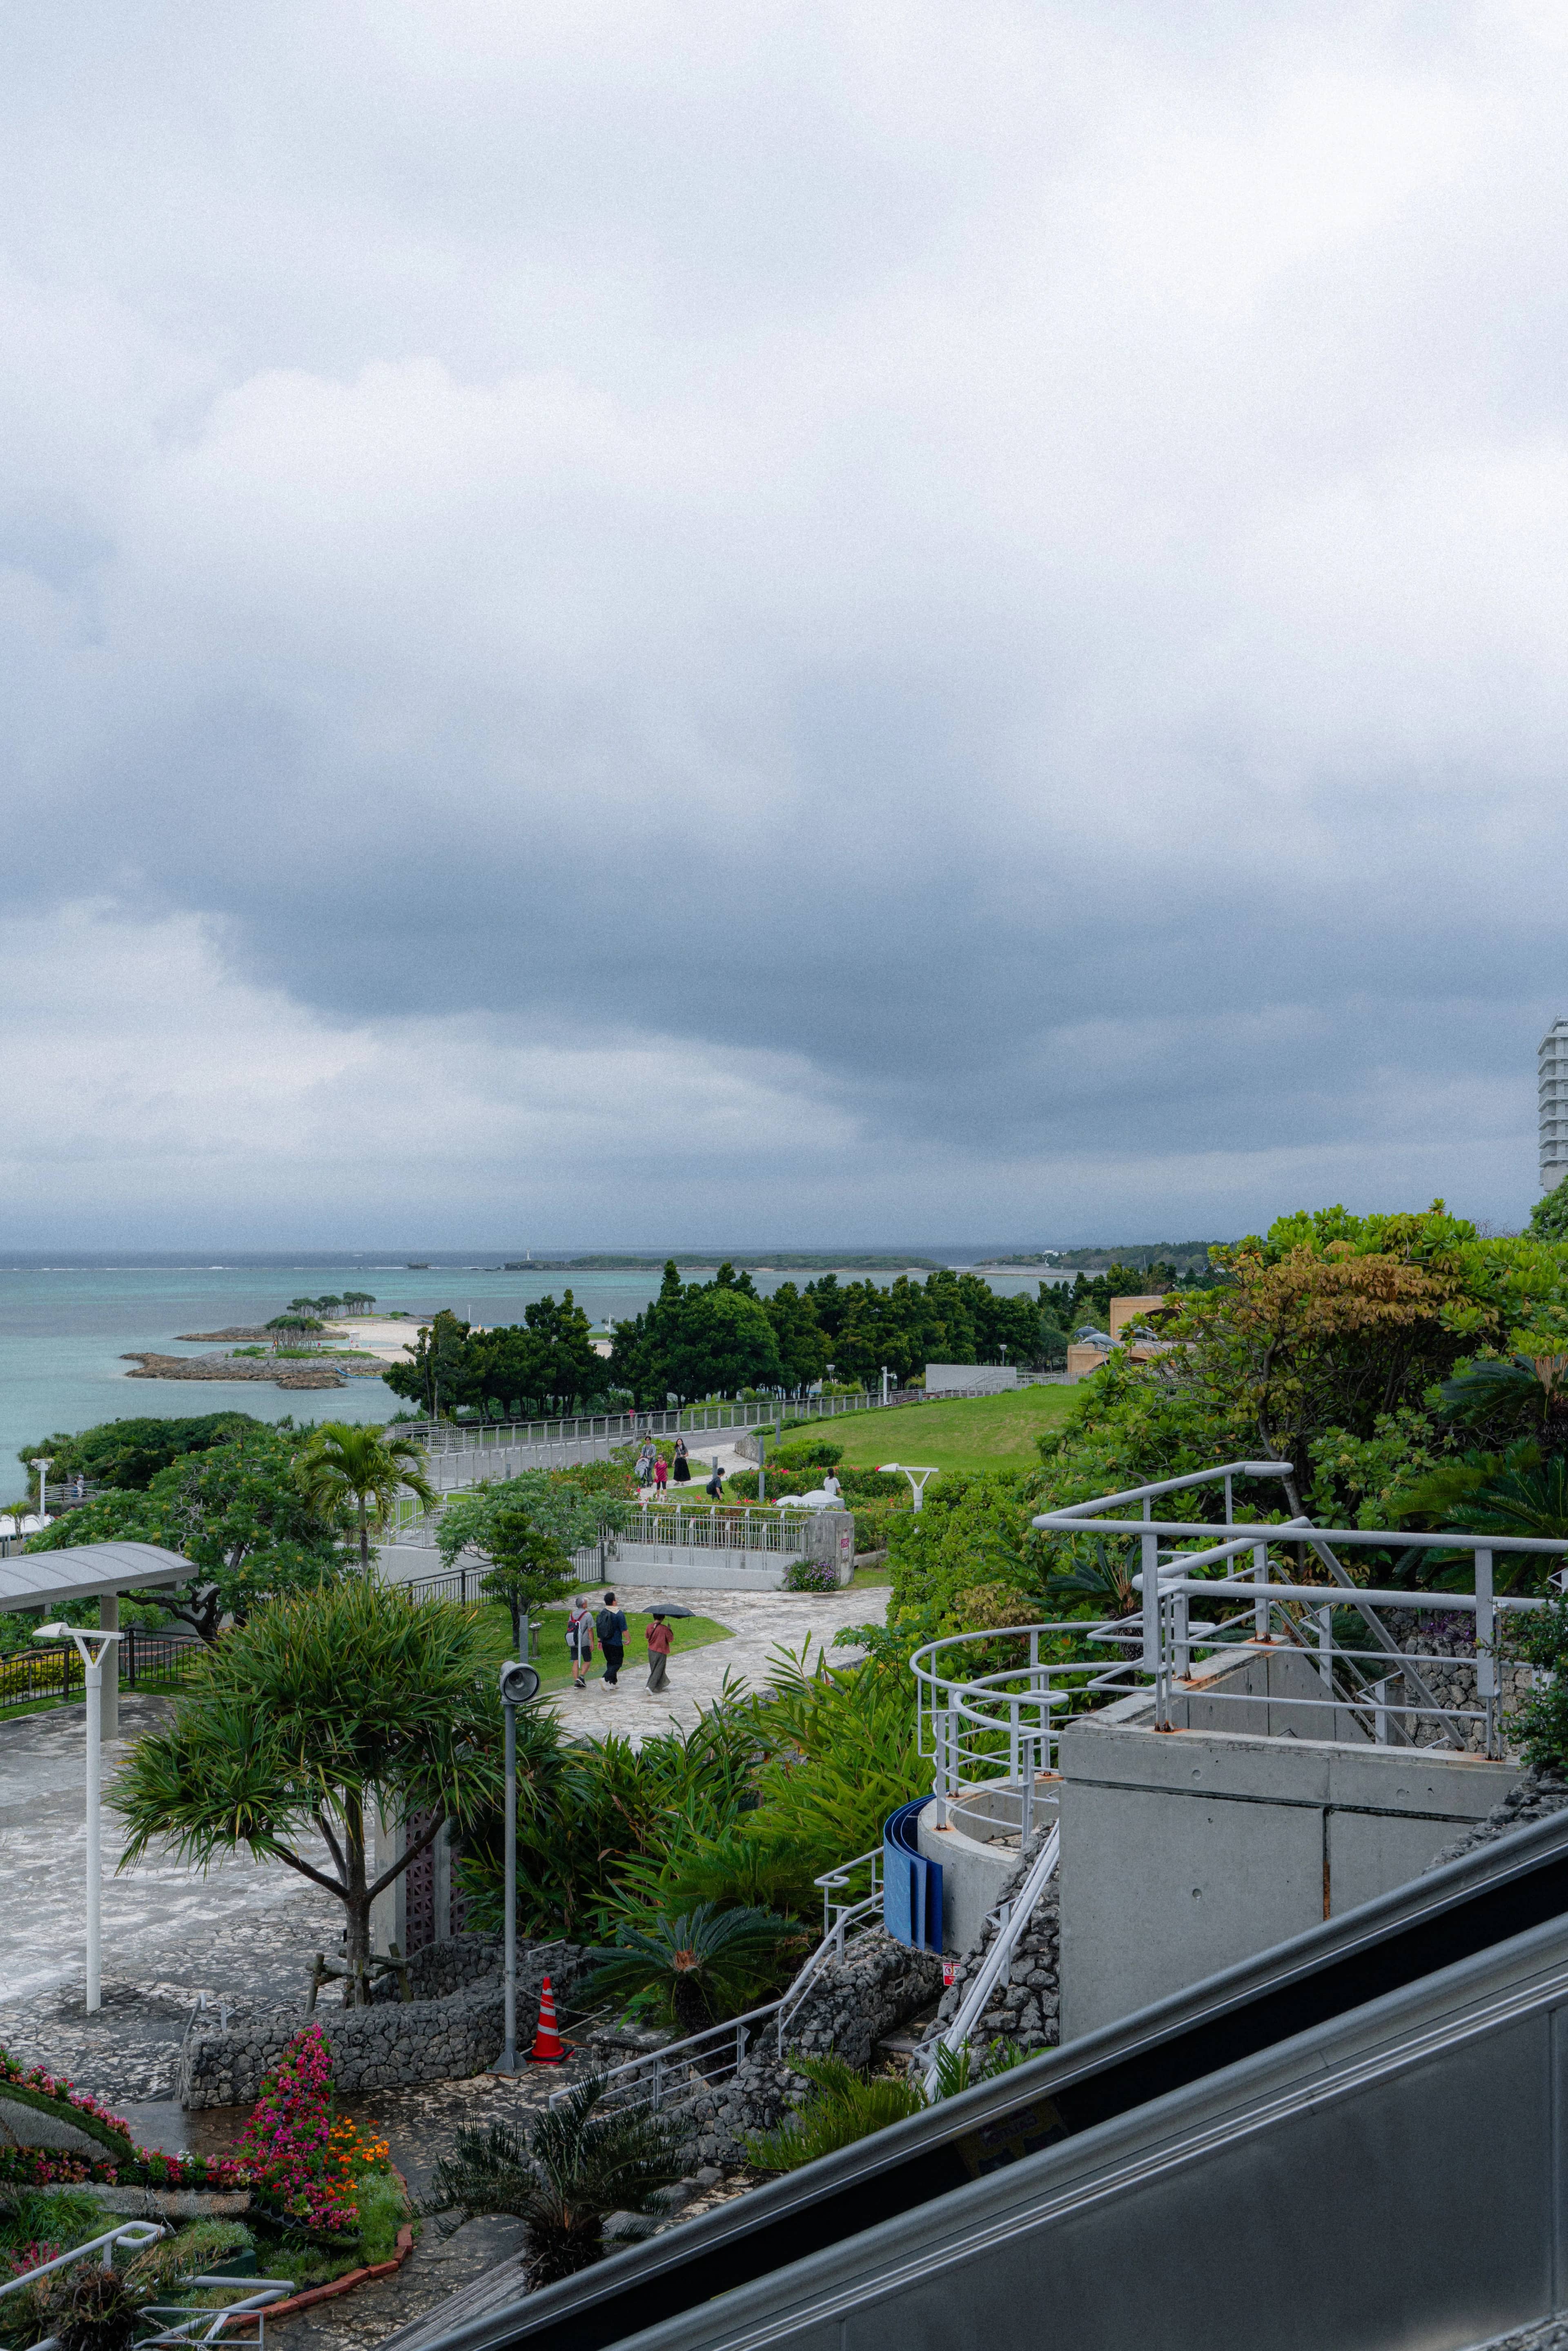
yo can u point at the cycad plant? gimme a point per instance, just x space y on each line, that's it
700 1967
847 2106
578 2166
363 1469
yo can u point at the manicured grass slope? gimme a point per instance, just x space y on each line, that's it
971 1433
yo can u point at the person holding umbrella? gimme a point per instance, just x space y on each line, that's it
661 1640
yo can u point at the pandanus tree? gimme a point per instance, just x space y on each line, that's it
364 1470
301 1723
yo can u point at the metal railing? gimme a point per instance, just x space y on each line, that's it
703 1527
1279 1606
680 1420
991 1705
250 2297
53 1674
1007 1922
671 2077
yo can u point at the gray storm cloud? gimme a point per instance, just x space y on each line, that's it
977 591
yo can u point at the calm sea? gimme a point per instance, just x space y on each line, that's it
64 1328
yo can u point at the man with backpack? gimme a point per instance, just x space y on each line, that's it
611 1626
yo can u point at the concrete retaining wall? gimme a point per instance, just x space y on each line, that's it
1183 1851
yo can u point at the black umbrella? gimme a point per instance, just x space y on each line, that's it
672 1609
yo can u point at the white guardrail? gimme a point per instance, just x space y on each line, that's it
250 2298
670 2077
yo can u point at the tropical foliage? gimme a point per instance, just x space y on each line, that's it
544 1364
237 1511
360 1469
694 1969
127 1454
578 2165
302 1720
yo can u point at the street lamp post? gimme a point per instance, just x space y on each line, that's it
519 1686
92 1665
916 1477
43 1463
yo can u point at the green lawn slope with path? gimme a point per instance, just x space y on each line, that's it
994 1432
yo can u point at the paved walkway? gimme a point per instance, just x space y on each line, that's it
761 1623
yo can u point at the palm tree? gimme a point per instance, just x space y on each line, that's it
706 1960
577 2168
364 1468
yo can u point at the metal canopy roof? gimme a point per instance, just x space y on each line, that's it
42 1579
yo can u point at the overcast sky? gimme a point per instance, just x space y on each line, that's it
798 623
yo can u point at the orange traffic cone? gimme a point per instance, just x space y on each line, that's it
548 2048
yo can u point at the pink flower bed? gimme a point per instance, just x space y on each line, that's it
288 2139
282 2158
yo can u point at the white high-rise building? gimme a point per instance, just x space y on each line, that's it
1555 1106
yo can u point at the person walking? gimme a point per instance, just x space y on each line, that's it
580 1642
714 1490
832 1487
611 1626
683 1465
661 1640
660 1477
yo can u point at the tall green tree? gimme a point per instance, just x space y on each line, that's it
303 1720
531 1568
546 1364
127 1454
361 1468
237 1513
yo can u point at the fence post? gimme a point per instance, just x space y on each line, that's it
1260 1575
1150 1545
1485 1646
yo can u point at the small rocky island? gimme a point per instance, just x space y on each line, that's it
297 1349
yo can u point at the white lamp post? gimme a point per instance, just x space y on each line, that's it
916 1477
42 1464
92 1664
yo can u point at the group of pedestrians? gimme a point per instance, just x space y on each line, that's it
654 1470
607 1624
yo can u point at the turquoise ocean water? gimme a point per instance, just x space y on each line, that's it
65 1329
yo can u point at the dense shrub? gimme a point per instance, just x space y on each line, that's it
812 1575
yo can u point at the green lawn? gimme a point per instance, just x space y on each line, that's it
555 1666
969 1433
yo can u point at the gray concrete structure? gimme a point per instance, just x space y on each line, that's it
978 1850
1184 1852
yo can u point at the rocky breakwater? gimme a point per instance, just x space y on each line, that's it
453 2027
877 1986
321 1374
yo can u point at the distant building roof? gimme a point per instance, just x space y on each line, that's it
46 1579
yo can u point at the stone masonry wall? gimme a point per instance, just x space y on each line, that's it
394 2045
1026 2011
878 1986
1540 1793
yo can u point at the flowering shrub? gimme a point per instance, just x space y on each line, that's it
286 2151
353 2156
32 2255
811 1575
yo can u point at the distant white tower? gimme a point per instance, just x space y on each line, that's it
1555 1106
